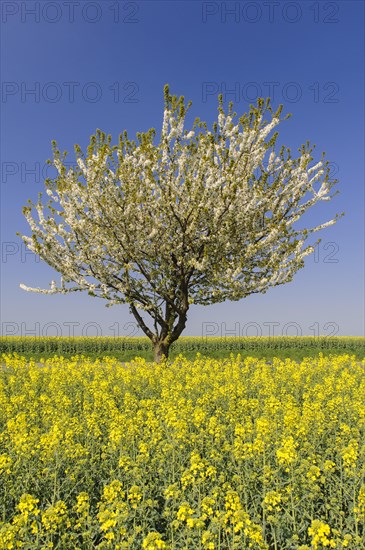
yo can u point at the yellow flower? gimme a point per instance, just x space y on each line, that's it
350 455
208 539
360 507
272 501
196 447
207 506
313 473
5 463
184 512
153 541
113 491
134 496
287 453
55 516
319 532
28 504
172 491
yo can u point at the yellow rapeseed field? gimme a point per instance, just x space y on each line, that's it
203 454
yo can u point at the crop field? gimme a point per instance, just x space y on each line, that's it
234 453
125 348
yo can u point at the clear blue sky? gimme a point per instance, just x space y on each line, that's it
104 64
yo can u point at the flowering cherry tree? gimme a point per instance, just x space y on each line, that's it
201 217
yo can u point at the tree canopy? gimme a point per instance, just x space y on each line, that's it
200 217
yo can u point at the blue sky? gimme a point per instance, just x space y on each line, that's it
68 68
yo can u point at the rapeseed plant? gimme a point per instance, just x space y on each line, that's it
206 454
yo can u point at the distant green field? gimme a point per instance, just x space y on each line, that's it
126 348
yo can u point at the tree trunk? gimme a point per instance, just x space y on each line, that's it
160 350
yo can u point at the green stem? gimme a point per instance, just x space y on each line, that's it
292 499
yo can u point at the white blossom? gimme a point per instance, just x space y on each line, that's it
162 226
